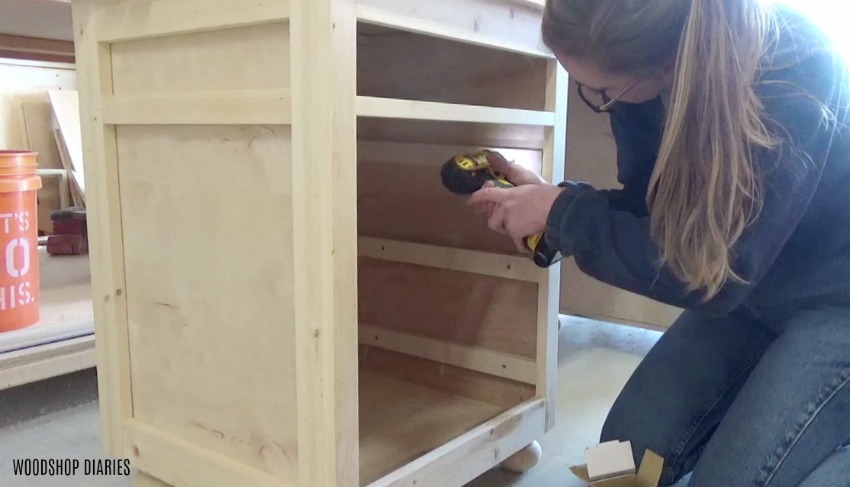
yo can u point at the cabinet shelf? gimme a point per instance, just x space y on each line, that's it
377 16
448 258
368 106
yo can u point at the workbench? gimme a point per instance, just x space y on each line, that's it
63 339
284 293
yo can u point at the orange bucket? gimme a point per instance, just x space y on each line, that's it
19 270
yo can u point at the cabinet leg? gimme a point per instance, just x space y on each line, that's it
142 479
524 460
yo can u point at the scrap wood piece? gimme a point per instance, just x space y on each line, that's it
66 119
610 459
77 193
35 115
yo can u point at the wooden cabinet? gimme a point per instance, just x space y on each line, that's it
284 293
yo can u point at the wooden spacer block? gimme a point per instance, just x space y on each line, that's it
610 459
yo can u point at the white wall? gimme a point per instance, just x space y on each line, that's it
21 81
24 103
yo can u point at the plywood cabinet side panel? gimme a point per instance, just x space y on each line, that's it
243 58
210 290
466 309
500 19
592 157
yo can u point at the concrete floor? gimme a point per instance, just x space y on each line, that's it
59 418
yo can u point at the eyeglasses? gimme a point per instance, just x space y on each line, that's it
607 102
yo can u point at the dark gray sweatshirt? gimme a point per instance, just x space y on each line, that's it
796 253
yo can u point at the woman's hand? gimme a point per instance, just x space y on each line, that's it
516 174
519 212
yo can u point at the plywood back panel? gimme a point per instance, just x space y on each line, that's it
408 202
456 307
210 293
255 57
401 197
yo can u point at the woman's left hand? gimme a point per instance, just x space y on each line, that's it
519 212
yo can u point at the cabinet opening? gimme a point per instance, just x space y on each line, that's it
445 346
441 352
399 64
447 308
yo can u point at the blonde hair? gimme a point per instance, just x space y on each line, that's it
704 190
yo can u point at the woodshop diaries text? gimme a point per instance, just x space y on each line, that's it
54 467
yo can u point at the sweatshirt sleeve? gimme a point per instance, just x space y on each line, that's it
615 247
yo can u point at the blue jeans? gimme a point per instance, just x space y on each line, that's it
744 402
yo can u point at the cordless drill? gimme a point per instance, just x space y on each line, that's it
466 174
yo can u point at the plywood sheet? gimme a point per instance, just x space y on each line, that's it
36 115
211 309
68 136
